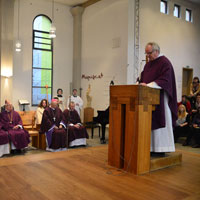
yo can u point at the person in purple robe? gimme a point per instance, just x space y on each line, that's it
4 142
53 127
159 73
11 122
77 133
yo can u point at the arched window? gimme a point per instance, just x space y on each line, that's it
42 65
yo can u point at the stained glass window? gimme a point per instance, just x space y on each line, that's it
42 60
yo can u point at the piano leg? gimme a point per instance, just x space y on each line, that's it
103 141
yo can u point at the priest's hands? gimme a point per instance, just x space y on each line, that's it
144 84
76 125
15 127
60 126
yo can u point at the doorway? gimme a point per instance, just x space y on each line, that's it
186 80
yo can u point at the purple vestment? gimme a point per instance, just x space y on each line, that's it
3 136
56 138
161 71
19 137
72 117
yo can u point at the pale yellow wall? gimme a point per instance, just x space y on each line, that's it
104 23
63 48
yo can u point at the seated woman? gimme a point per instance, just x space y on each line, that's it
4 142
182 123
77 133
39 112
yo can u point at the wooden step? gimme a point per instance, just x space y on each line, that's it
169 160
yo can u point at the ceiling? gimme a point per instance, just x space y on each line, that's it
70 2
195 1
77 2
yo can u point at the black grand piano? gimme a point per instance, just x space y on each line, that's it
103 119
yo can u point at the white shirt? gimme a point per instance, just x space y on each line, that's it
38 115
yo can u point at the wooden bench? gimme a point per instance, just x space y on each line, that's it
28 121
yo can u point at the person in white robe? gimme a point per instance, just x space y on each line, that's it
61 98
77 100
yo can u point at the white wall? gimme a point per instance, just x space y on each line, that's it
63 48
179 40
103 22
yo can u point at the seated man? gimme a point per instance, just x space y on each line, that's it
12 123
77 133
195 131
194 89
52 126
4 106
4 142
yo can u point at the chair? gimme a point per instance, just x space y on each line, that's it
28 120
93 125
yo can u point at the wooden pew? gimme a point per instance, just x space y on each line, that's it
28 120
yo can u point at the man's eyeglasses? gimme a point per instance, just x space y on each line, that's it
148 53
194 82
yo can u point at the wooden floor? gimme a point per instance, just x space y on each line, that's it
84 174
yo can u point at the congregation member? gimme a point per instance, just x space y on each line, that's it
195 131
196 104
11 122
61 99
159 73
4 142
53 127
77 100
77 133
182 123
194 89
39 112
184 101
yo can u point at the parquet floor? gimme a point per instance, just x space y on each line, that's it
84 174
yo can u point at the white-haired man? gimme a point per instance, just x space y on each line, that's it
159 73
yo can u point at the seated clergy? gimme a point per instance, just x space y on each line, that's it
52 126
4 142
77 133
11 122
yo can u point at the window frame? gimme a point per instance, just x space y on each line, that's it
179 10
41 49
190 15
166 6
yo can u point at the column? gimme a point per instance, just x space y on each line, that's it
6 49
77 43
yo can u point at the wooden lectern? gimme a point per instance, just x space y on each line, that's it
130 126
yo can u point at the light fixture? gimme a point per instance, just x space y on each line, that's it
52 32
18 45
6 72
